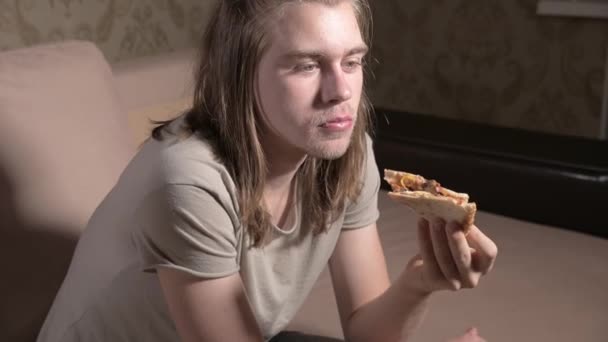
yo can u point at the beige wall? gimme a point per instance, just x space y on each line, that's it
121 28
490 61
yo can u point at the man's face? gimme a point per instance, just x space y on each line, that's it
310 79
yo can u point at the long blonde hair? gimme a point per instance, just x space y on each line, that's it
225 112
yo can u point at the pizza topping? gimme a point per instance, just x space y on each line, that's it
412 182
433 187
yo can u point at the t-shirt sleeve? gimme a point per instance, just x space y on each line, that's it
185 227
364 211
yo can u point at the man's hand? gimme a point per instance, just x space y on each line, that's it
448 259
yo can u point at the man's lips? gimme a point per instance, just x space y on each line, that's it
337 120
338 124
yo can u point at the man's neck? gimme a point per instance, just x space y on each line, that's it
283 164
281 171
283 161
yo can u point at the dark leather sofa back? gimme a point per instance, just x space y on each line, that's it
556 180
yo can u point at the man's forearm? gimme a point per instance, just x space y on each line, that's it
392 316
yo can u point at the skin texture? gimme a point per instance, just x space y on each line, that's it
311 74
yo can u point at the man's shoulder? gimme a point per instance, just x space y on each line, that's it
178 159
193 161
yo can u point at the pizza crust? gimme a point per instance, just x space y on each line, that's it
431 206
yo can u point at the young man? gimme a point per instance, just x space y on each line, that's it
219 227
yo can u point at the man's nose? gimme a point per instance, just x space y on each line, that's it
335 87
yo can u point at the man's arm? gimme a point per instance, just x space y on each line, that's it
373 310
370 308
209 310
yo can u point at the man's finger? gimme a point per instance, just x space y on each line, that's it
485 250
461 254
426 250
443 254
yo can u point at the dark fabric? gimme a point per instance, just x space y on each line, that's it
491 163
294 336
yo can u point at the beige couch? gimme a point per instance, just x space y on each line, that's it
69 123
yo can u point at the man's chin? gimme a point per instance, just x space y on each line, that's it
329 155
329 151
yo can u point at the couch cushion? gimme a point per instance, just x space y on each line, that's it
146 81
548 284
157 87
63 143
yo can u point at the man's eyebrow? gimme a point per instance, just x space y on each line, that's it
314 54
363 49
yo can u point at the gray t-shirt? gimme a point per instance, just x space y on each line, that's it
175 206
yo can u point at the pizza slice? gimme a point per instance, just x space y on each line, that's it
429 199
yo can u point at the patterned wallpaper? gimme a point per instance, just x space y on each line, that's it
121 28
490 61
487 61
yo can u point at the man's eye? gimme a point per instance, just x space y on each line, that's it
306 67
352 65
